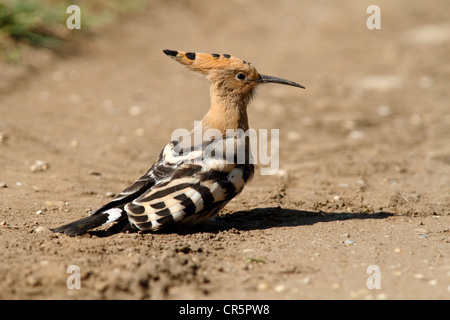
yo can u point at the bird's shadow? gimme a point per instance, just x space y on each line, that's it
275 217
262 218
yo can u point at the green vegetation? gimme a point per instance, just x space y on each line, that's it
32 22
42 23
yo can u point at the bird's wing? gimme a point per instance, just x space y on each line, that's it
190 197
201 181
189 183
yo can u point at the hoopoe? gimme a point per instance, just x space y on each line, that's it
192 182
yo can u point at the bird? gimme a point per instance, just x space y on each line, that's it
192 179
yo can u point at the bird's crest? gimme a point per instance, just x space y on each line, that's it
205 62
217 66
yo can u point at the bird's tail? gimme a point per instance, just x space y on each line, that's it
96 220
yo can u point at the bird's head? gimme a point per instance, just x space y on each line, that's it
231 75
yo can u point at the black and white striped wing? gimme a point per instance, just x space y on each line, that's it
187 199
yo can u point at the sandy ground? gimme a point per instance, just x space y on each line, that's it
364 175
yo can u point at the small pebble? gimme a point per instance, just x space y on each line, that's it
361 182
136 111
3 223
263 286
335 286
43 230
280 288
349 241
384 110
33 281
433 282
356 135
3 185
282 173
38 166
306 280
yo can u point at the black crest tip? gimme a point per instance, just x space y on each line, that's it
190 55
171 53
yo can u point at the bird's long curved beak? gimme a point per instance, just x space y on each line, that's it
270 79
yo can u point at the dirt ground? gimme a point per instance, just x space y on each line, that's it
364 175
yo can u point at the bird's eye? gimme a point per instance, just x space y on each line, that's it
241 76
